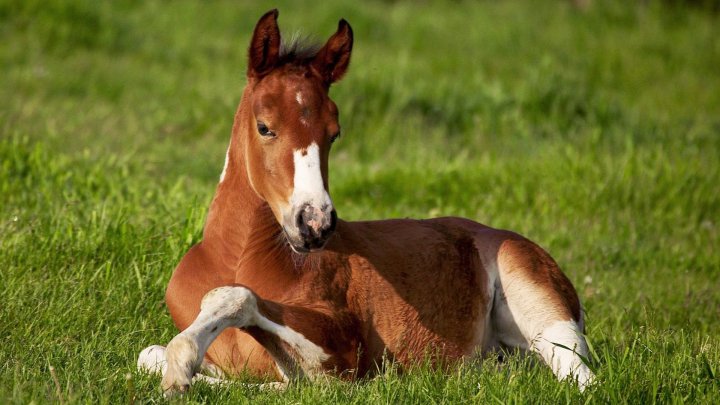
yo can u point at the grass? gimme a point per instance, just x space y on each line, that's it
596 134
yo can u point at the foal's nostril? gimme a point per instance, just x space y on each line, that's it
333 220
327 231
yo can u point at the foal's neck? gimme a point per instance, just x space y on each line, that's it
240 226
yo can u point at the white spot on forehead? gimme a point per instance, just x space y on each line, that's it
301 101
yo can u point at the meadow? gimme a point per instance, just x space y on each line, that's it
595 133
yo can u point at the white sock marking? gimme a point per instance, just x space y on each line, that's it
222 308
561 345
153 360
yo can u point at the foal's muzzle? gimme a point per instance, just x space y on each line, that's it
314 225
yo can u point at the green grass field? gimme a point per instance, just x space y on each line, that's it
596 134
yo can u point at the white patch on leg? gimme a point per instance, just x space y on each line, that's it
211 370
220 308
240 304
561 344
524 318
153 360
310 355
231 307
516 315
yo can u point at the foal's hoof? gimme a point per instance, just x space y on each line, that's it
273 386
152 360
173 386
175 382
182 361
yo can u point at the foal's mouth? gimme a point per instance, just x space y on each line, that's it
310 235
304 250
303 246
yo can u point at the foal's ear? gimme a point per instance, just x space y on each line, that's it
333 59
265 45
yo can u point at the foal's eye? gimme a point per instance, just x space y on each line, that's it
264 130
335 137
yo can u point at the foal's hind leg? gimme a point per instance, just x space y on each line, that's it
237 306
536 308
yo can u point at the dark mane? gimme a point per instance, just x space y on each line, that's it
299 48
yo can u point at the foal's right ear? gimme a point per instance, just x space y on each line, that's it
264 49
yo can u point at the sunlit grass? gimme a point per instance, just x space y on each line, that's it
595 134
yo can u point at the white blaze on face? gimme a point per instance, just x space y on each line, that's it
308 187
299 98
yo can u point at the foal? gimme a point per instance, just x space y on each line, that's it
280 287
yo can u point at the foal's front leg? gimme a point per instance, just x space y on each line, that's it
237 306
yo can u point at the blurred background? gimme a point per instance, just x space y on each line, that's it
467 77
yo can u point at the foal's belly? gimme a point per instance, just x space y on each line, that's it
423 291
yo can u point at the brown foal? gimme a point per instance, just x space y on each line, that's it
280 287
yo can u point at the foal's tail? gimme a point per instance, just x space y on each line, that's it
536 308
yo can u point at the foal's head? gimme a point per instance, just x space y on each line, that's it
292 124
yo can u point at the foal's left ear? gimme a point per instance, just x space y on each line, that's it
333 59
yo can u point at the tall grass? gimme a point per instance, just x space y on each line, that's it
596 134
